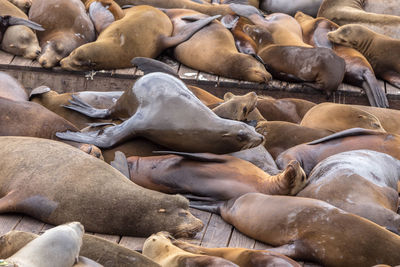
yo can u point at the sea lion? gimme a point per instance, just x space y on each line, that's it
389 7
280 135
151 110
159 248
375 47
290 7
117 45
58 246
219 177
363 182
241 256
351 11
358 70
52 182
214 50
103 13
236 107
311 230
86 262
341 117
7 21
19 39
93 247
387 117
11 89
24 5
352 139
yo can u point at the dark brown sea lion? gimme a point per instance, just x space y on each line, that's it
290 7
160 249
311 230
96 248
152 109
358 70
219 177
58 246
11 89
351 11
281 135
363 182
103 13
214 50
374 47
19 39
117 45
241 256
310 154
341 117
52 182
67 28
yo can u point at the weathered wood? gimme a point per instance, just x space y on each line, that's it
260 245
186 73
29 224
8 222
5 58
239 240
134 243
111 238
217 234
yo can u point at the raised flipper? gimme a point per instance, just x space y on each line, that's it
204 157
149 65
375 93
345 133
392 77
19 21
82 107
245 10
38 91
120 163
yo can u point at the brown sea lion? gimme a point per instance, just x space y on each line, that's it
358 70
387 117
341 117
311 230
96 248
389 7
374 47
103 13
151 109
68 27
241 256
11 89
24 5
281 135
58 246
159 248
236 107
52 182
19 39
214 49
310 154
290 7
363 182
117 45
218 177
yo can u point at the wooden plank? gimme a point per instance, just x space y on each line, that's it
46 227
260 245
126 72
134 243
186 73
21 62
391 90
29 224
5 58
8 222
207 78
217 234
239 240
111 238
170 62
227 82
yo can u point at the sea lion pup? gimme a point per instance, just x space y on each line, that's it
159 248
290 7
53 181
96 248
219 177
241 256
103 13
151 109
363 182
281 135
58 246
374 47
358 70
279 37
117 44
341 117
11 89
352 139
310 230
351 11
19 39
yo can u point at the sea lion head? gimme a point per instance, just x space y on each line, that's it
348 35
21 41
241 136
52 53
236 107
24 5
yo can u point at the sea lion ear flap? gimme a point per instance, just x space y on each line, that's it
203 157
121 163
229 21
39 91
228 96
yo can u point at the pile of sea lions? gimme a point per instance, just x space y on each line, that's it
317 182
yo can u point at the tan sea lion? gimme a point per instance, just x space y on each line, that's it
358 70
341 117
103 13
11 89
374 47
117 45
363 182
388 117
309 229
159 248
24 5
219 177
52 182
67 28
281 135
200 130
19 39
58 246
236 107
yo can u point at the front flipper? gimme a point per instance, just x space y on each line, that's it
204 157
19 21
375 93
149 65
39 91
120 163
82 107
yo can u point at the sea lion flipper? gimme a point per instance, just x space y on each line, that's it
19 21
204 157
229 21
149 65
345 133
195 17
120 163
82 107
38 91
375 93
245 10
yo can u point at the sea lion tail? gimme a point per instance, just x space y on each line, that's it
82 107
121 163
149 65
375 93
345 133
19 21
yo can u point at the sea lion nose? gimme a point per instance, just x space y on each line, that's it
37 52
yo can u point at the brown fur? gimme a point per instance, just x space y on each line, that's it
389 118
236 107
24 5
11 89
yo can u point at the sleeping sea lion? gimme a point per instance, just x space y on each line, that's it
24 5
290 7
103 13
11 89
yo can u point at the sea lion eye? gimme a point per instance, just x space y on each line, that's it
242 136
245 110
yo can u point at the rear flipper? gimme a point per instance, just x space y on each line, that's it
149 65
392 77
375 93
82 107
